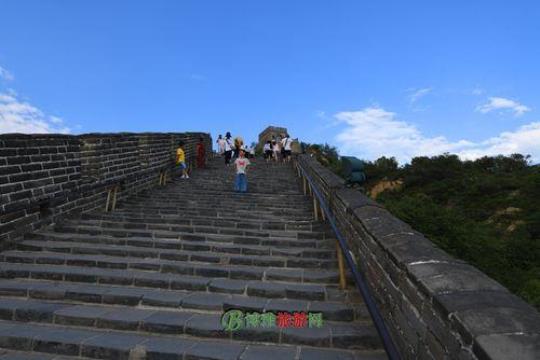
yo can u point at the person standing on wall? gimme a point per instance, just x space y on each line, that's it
181 160
286 143
238 145
240 183
228 148
267 148
276 150
201 153
221 145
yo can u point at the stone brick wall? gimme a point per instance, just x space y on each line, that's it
45 176
436 306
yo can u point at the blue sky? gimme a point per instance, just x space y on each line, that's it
394 78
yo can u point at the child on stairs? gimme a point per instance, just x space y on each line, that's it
241 163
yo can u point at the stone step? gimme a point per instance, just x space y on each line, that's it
23 355
226 222
148 235
177 266
230 204
167 228
246 280
197 189
278 260
232 200
188 245
119 345
220 212
354 335
225 298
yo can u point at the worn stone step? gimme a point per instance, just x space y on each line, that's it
181 266
200 237
226 222
119 345
206 200
219 247
357 335
187 245
23 355
156 267
200 282
226 297
276 260
201 228
219 213
217 209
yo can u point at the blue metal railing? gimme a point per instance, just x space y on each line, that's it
358 277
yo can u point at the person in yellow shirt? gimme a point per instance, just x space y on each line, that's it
181 160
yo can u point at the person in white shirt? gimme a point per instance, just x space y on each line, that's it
276 149
267 148
228 148
221 145
286 143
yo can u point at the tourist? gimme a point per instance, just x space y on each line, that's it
267 149
286 143
228 148
201 153
275 149
240 183
221 145
181 160
238 144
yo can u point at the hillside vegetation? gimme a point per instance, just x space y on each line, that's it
486 211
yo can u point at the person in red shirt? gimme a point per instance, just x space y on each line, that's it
201 153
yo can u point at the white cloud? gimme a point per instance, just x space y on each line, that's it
499 103
5 75
477 91
320 114
374 132
17 116
417 94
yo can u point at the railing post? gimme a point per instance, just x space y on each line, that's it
305 185
108 200
341 266
315 209
114 197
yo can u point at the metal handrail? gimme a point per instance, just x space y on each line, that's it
358 277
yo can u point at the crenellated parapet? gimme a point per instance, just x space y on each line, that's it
43 176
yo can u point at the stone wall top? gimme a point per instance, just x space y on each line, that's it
436 306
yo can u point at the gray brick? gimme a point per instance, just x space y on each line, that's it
111 346
254 352
166 322
217 351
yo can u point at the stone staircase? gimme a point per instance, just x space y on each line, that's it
152 279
